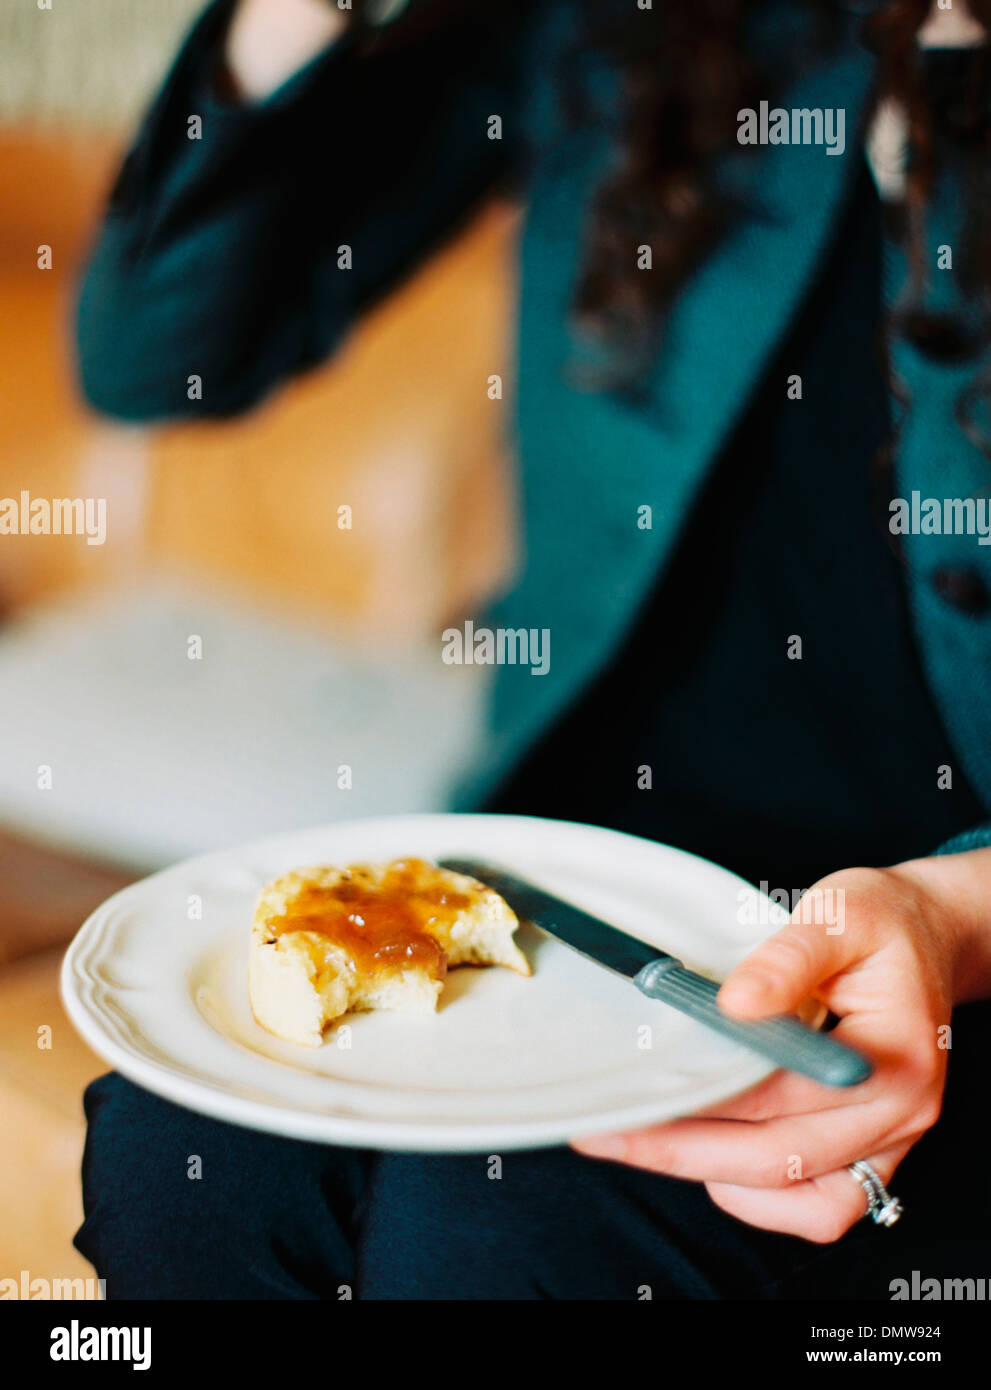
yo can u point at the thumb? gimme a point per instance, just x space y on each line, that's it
786 968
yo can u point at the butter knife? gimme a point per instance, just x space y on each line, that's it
782 1039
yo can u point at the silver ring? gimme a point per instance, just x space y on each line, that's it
882 1208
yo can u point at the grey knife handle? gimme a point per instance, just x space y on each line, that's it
783 1040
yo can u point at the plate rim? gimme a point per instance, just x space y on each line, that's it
173 1082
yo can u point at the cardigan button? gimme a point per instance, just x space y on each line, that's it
962 588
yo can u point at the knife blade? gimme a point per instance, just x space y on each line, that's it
783 1040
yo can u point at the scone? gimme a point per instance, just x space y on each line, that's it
326 941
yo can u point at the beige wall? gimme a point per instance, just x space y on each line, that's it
90 62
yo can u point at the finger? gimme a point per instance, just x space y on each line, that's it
781 1093
884 1038
820 1210
786 968
769 1153
898 1102
901 1045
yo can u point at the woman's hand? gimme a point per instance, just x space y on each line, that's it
910 942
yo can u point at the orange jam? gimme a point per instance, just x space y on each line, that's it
391 922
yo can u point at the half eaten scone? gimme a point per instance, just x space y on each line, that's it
326 941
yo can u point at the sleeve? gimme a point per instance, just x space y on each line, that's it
220 254
979 837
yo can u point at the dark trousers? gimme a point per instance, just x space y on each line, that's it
179 1206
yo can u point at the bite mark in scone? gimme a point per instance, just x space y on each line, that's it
328 941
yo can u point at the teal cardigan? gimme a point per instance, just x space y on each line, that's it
218 256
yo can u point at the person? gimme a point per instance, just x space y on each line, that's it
752 325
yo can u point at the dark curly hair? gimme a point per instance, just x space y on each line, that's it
686 69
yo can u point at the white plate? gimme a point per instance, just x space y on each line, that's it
506 1062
